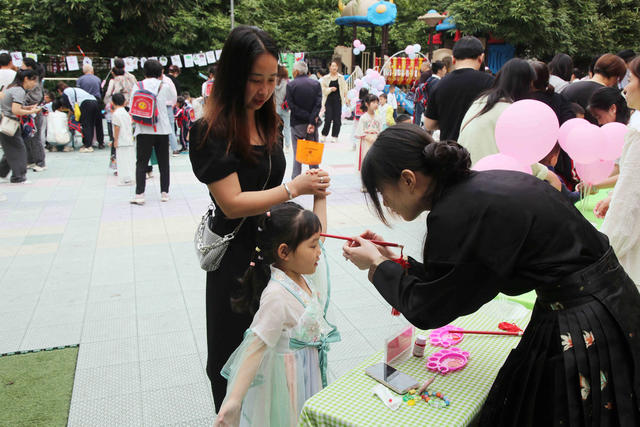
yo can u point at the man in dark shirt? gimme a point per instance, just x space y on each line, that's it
304 97
174 72
454 94
90 83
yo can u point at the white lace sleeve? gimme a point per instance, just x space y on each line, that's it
622 222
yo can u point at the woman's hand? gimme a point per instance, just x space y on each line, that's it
581 186
602 207
384 250
362 253
229 414
314 181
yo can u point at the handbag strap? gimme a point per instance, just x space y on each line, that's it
233 233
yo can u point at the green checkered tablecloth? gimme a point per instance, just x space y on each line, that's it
349 401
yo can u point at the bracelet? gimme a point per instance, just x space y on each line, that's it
288 191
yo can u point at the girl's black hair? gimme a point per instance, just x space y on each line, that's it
367 100
21 75
407 146
562 66
287 223
541 82
512 83
605 97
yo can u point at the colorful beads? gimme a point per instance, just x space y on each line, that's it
436 400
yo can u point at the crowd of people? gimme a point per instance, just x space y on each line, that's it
489 232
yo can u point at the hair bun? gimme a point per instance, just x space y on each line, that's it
448 158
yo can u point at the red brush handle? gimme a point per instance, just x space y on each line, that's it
375 242
488 333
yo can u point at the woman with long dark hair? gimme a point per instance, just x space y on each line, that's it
477 131
503 231
543 91
560 70
236 150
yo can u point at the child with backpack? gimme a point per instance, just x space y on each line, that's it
282 360
185 117
152 128
122 140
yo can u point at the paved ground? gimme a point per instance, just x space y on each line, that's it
80 265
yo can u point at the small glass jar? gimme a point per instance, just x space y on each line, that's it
419 346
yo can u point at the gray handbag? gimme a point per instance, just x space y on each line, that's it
210 247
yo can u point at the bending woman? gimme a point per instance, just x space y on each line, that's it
578 362
237 153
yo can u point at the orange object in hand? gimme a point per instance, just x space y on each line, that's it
309 152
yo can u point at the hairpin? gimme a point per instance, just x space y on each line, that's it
259 228
260 258
257 249
269 214
252 264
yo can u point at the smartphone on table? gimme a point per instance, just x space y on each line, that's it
392 378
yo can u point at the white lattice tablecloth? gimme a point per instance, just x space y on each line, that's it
349 400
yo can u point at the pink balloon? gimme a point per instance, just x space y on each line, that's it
614 140
596 172
500 162
584 143
357 43
358 83
409 50
527 131
567 127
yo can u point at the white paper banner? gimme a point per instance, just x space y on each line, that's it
113 63
130 64
218 53
200 59
211 57
142 61
175 60
188 60
16 57
72 63
163 60
87 60
155 58
32 56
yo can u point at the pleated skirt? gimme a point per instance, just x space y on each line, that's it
578 362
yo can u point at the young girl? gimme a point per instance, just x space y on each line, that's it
123 140
282 360
369 126
385 112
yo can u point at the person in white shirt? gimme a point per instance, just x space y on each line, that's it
122 140
171 102
153 137
392 101
7 71
207 87
90 117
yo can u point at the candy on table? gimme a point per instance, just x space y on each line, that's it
412 391
411 402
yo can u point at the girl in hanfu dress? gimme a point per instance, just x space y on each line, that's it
369 126
282 360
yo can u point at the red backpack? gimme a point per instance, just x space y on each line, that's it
144 107
208 88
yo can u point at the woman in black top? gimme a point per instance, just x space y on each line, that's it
237 146
578 362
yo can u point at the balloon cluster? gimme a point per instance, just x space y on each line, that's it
358 47
528 130
593 149
373 81
412 50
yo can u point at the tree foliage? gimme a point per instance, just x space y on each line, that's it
150 27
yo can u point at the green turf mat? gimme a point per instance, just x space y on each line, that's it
35 388
589 204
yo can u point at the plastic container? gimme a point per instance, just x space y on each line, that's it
419 346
